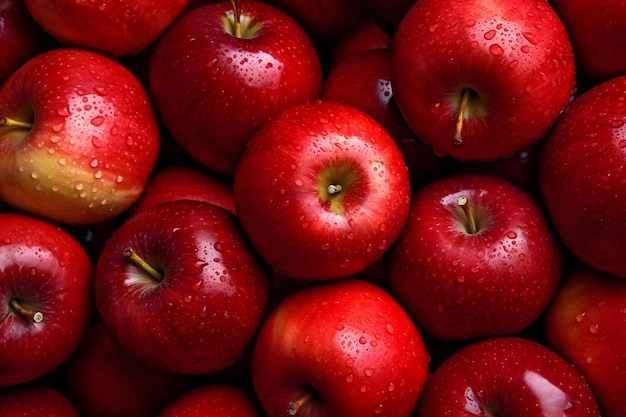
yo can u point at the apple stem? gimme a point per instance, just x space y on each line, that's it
36 316
294 406
457 141
471 222
334 189
8 122
132 256
237 17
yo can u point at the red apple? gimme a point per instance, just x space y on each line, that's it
363 80
215 400
481 79
45 288
344 348
35 400
114 28
78 137
101 381
476 258
388 13
180 289
322 191
186 182
323 20
598 36
366 36
22 37
586 323
507 376
582 177
232 72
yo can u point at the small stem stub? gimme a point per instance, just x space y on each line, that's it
471 222
457 141
132 256
294 406
237 17
8 122
36 316
334 189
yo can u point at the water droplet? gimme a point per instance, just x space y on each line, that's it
480 254
580 317
525 49
489 35
298 182
97 121
378 409
460 278
219 246
93 163
101 90
98 175
622 144
475 269
470 23
195 287
325 246
363 388
511 234
368 372
34 175
57 128
570 408
187 299
617 123
362 340
350 378
203 312
531 38
63 111
432 28
391 387
594 328
344 263
496 50
389 328
96 142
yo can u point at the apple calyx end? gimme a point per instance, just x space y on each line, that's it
294 406
12 123
36 316
138 261
334 189
463 202
457 140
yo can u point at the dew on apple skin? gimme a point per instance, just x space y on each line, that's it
349 378
489 35
570 408
363 388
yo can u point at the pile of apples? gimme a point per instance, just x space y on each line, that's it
312 208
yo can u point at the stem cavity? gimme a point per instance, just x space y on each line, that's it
334 189
36 316
457 141
8 122
471 222
132 256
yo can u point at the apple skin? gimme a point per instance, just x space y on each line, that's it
363 80
93 142
596 30
215 400
35 400
350 343
507 376
586 323
388 13
585 151
515 58
281 196
101 381
113 28
22 37
46 270
227 87
186 182
460 286
366 36
203 314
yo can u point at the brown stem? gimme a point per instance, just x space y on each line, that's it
471 222
36 316
132 256
457 141
294 406
8 122
334 189
237 17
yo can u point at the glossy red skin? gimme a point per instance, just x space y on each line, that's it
49 271
35 400
101 381
185 182
93 144
216 400
363 80
597 34
351 342
203 315
22 37
225 87
364 37
586 323
444 46
279 206
114 28
582 178
460 286
507 377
